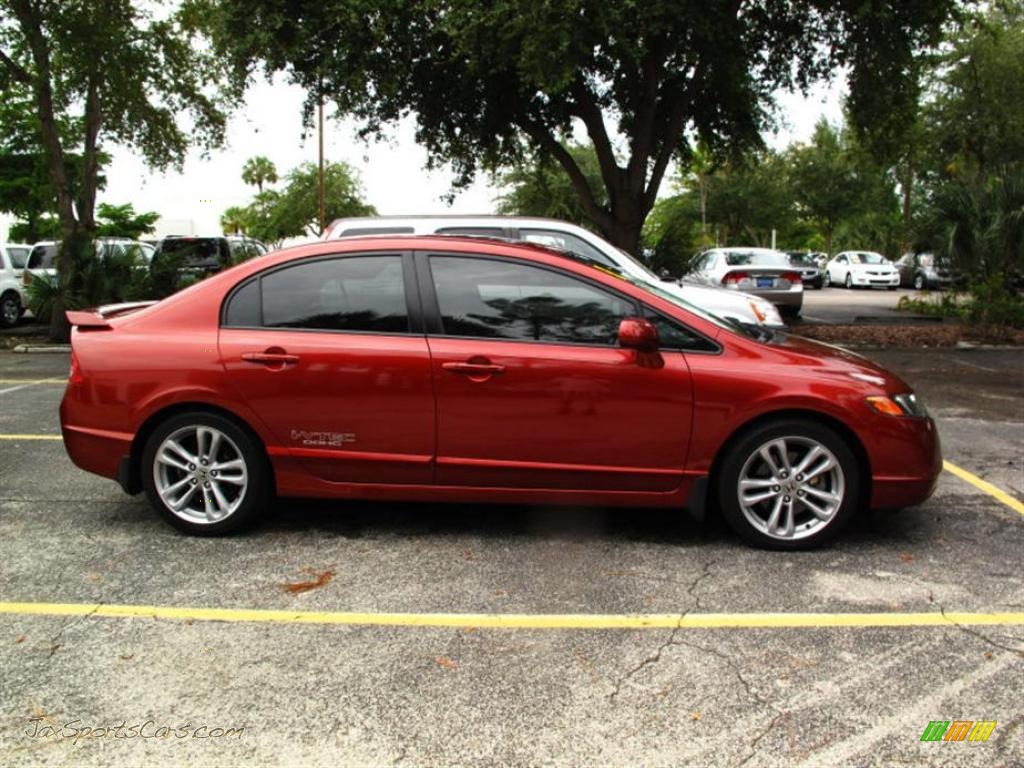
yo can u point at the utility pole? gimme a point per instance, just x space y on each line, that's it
320 188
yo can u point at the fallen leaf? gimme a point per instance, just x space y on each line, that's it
906 558
445 663
469 630
19 639
127 656
53 649
987 655
500 593
92 576
305 586
696 715
468 555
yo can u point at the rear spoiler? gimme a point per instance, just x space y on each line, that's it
97 319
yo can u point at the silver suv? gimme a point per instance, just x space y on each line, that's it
12 263
740 307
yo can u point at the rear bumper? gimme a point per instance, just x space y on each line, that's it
95 450
792 297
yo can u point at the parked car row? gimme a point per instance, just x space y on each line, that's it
13 257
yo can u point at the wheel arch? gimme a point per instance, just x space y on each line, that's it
131 476
851 437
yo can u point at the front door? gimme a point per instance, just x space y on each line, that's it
325 353
532 391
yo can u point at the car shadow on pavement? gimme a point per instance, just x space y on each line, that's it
365 519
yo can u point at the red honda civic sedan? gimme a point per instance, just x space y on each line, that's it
464 369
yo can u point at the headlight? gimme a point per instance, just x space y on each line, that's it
898 405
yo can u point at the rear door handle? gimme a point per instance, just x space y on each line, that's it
270 358
474 369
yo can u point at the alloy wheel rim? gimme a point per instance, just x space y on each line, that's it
200 474
791 488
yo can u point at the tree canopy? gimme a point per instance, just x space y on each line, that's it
485 80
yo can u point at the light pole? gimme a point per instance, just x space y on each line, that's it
320 180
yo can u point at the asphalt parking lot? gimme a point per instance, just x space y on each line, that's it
467 672
843 305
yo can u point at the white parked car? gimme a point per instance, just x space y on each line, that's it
42 259
739 307
763 272
862 269
12 263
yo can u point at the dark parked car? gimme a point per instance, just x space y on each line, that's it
194 258
924 271
808 268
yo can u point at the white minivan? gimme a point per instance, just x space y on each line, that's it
13 257
740 307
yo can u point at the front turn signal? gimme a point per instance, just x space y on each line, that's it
886 406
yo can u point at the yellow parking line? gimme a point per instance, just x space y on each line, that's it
31 437
523 621
996 493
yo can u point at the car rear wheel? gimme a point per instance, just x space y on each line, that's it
919 282
10 309
205 475
788 484
827 280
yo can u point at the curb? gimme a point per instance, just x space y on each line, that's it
43 349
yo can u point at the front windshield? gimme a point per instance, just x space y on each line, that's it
867 258
756 259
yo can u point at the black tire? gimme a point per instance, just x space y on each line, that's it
728 476
849 281
10 309
257 494
892 287
919 282
790 313
826 280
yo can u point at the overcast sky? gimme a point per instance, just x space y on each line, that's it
393 174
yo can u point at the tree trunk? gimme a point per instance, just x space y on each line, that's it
906 188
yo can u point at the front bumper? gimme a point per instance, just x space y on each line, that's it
906 463
875 281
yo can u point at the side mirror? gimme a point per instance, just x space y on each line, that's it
639 334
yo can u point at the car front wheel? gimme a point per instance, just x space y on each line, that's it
10 310
788 484
205 475
919 282
827 280
849 280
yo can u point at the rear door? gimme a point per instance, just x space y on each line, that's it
331 354
532 389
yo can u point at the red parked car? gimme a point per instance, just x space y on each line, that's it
462 369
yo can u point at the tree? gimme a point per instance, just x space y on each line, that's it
116 74
258 171
538 186
123 221
275 215
298 204
483 80
748 198
234 220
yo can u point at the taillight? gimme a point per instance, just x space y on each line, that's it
26 278
793 277
75 377
733 278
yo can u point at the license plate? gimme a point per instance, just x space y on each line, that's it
765 282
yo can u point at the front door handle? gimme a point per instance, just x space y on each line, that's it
271 357
474 369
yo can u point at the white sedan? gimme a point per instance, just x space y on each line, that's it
862 269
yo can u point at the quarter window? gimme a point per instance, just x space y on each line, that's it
502 300
358 293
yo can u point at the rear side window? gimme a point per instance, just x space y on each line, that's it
503 300
357 293
564 241
43 257
18 256
363 231
473 231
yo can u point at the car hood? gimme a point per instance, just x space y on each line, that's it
831 359
873 267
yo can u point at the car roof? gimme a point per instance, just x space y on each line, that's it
427 222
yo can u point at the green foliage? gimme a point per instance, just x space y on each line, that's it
275 215
123 221
235 220
42 227
258 171
483 80
537 186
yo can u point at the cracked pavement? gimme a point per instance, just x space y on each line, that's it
358 695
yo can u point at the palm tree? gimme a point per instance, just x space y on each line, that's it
258 171
233 221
